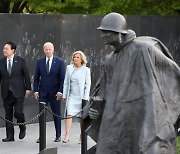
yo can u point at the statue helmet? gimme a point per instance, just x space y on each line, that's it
113 22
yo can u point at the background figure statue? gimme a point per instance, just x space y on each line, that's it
140 89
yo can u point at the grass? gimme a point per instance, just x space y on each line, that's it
178 145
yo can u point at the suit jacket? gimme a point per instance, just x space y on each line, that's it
84 79
49 84
19 80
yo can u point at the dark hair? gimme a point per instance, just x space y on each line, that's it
13 46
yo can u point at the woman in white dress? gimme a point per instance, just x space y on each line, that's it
76 88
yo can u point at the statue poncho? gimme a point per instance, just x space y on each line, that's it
140 85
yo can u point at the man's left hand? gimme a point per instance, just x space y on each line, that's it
58 96
28 92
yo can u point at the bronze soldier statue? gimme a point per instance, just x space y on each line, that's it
140 92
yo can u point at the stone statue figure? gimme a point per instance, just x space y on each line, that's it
140 92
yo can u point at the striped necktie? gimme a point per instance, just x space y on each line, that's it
9 66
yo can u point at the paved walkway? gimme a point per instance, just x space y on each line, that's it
29 146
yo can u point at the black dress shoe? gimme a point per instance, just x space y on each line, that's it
57 139
22 132
8 139
37 141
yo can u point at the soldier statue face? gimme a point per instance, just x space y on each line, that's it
110 37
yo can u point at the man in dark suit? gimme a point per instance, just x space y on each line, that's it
48 83
15 84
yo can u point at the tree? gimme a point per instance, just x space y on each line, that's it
12 6
98 7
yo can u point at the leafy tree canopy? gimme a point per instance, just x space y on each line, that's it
98 7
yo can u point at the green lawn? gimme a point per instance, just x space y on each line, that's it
178 144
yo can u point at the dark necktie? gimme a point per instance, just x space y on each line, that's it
9 67
47 66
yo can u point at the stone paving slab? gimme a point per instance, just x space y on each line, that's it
29 146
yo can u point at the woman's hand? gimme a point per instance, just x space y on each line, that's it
64 100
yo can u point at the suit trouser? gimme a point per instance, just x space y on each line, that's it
56 108
12 106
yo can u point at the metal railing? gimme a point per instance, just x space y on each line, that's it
42 124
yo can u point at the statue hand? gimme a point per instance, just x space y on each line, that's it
94 114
